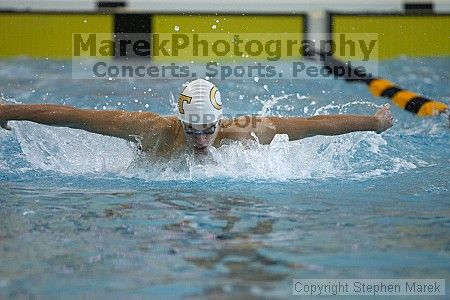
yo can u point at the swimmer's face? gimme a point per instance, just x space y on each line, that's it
200 137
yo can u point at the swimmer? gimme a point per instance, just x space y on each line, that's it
198 125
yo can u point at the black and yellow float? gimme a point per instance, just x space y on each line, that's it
407 100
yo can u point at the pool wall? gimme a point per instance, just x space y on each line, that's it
43 29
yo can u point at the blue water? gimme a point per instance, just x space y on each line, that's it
85 216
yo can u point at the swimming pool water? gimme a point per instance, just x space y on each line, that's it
85 216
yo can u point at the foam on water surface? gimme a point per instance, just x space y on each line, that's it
352 156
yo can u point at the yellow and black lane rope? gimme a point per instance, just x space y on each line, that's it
410 101
407 100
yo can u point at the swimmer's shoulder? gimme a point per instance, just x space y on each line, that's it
156 123
246 127
247 123
165 135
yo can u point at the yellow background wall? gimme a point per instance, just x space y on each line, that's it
426 35
213 28
42 35
46 35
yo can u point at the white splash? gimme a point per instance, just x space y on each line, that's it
71 151
352 156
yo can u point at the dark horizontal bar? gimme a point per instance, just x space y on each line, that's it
110 4
419 6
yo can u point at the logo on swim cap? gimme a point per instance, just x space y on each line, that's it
181 100
200 103
214 97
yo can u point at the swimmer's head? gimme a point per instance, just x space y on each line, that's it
200 109
199 103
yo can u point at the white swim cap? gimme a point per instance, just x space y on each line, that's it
199 103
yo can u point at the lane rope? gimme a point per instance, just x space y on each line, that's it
410 101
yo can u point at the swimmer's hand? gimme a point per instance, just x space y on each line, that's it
384 118
3 121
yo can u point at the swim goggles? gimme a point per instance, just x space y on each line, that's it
207 131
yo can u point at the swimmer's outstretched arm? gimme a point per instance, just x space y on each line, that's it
126 125
298 128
